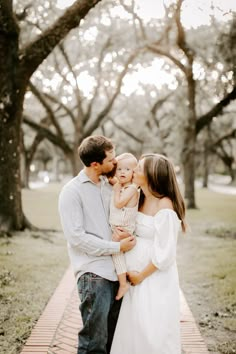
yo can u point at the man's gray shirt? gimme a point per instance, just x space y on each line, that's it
84 213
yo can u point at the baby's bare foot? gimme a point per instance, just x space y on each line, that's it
122 290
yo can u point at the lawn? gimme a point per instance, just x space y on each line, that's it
207 268
32 264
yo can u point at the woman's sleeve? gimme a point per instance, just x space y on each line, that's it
165 240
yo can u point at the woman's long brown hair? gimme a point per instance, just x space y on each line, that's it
162 182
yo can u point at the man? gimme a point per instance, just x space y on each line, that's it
84 211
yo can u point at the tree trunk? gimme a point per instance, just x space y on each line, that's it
24 171
231 173
188 156
15 72
205 170
76 164
11 100
205 165
55 166
11 215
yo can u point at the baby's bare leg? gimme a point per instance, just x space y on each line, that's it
124 286
119 261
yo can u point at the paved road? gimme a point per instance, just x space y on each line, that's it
221 188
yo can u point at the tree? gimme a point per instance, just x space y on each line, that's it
16 68
174 44
67 125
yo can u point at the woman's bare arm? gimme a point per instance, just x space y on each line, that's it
137 277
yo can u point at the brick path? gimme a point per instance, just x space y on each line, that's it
57 328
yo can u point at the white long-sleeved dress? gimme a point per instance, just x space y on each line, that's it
149 320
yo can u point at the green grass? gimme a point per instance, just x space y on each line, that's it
207 267
213 208
30 271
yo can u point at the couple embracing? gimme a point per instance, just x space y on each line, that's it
122 238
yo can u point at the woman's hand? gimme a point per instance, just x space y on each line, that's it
134 277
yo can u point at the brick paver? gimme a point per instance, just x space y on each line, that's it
57 328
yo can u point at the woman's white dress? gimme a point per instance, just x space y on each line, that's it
149 319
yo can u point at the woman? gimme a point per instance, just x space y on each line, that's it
149 318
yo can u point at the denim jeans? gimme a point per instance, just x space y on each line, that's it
99 311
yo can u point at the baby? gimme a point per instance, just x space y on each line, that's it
123 210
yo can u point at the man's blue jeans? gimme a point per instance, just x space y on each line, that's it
99 311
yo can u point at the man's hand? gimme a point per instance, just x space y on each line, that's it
127 243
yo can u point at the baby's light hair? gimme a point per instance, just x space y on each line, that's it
126 156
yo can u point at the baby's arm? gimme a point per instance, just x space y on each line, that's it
129 197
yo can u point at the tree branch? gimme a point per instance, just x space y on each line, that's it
77 93
127 132
156 50
54 139
157 105
91 127
22 15
68 112
230 135
181 38
100 61
131 10
40 96
33 54
206 118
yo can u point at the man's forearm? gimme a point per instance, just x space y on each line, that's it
93 245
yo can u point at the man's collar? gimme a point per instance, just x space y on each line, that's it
84 178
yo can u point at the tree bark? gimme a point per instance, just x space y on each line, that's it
215 111
11 215
188 154
205 166
76 164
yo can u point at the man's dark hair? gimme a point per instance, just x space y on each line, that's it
93 149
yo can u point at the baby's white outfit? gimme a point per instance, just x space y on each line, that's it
124 217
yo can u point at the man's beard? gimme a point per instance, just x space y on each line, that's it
111 173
